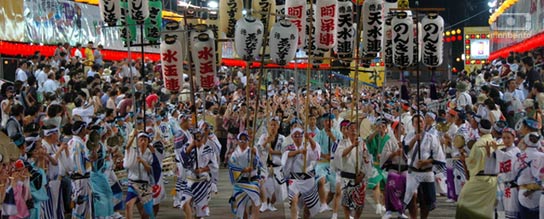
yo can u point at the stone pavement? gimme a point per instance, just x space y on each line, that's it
220 208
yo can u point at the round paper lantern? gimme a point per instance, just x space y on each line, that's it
403 39
326 15
171 60
248 37
297 9
203 53
139 10
345 35
372 26
110 11
433 27
283 42
264 6
230 11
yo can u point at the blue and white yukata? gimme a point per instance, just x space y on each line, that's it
246 185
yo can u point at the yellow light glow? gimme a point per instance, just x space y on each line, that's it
504 6
458 59
467 36
458 31
467 47
447 33
483 61
477 36
472 62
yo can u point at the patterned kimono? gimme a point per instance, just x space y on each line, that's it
302 182
529 168
80 169
182 138
54 208
507 188
38 182
246 185
396 177
273 171
102 194
198 189
360 160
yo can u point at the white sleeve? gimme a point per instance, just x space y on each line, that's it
130 159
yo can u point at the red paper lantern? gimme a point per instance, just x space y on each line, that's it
472 36
467 62
459 38
447 40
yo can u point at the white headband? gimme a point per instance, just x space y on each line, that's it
49 132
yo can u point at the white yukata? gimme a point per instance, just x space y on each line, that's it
529 167
353 195
54 208
428 149
302 182
440 169
80 171
199 186
507 190
246 186
181 139
272 170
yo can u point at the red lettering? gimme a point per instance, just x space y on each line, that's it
205 53
170 56
172 83
170 70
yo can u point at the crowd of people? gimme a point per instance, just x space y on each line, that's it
100 139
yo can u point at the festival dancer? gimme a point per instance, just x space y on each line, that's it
447 142
54 208
207 131
114 154
137 161
460 141
37 158
529 168
80 171
474 200
507 188
336 164
244 164
376 142
355 171
273 186
326 139
297 160
393 160
438 170
182 138
423 151
198 160
102 194
157 182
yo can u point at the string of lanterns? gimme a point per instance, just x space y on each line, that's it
504 6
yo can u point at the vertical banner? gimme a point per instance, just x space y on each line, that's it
283 41
345 33
110 11
372 27
262 7
230 11
317 53
213 25
297 9
388 32
433 28
248 38
403 39
154 21
326 18
139 10
128 31
172 59
203 52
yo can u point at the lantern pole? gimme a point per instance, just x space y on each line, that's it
359 19
308 71
191 81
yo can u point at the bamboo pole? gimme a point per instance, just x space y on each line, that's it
356 91
308 71
191 81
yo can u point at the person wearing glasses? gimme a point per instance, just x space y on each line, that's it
269 148
299 160
199 161
244 165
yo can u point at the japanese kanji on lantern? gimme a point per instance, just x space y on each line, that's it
248 37
326 18
172 61
280 9
110 11
263 7
203 52
283 42
345 33
230 11
433 28
372 26
128 29
403 39
139 10
388 32
153 22
297 9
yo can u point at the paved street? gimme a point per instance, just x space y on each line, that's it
220 208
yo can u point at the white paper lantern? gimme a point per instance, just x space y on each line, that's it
248 37
372 26
283 42
403 39
230 11
326 23
280 9
388 42
345 33
203 53
110 11
432 34
264 6
172 62
297 9
139 9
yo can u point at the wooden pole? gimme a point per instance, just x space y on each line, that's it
356 90
191 81
308 71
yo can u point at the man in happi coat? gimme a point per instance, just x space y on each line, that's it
355 171
54 208
297 161
80 171
376 143
393 160
424 151
478 196
439 170
270 147
182 138
447 142
529 169
505 158
460 141
138 161
199 161
244 166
